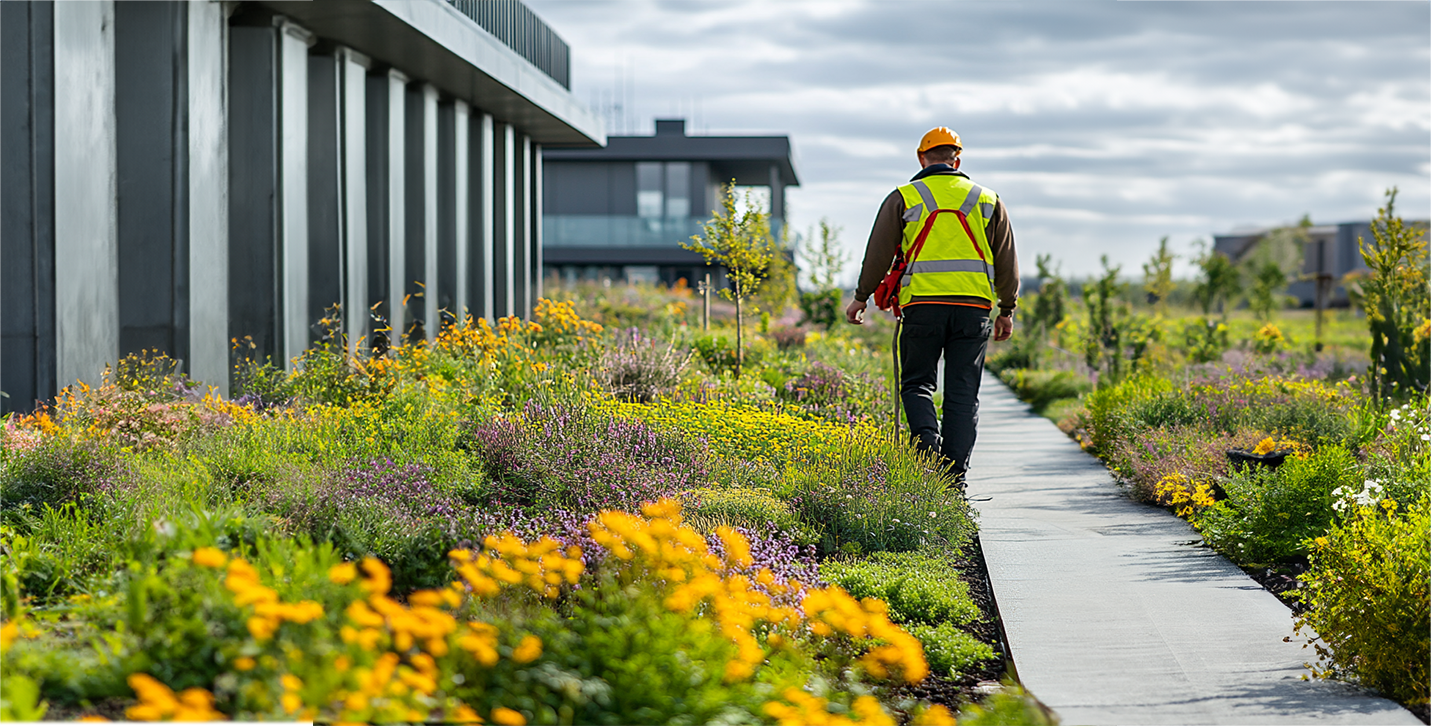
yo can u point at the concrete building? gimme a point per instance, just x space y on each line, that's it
622 211
180 174
1329 254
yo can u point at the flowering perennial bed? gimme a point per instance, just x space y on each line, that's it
472 530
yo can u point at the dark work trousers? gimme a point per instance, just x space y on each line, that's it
960 334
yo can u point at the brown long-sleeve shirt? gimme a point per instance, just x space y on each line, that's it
888 235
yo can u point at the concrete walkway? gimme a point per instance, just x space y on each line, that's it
1114 615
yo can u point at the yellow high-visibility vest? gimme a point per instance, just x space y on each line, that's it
956 259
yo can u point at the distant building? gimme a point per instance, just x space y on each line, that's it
1331 250
622 212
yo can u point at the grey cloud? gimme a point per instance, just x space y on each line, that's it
1344 74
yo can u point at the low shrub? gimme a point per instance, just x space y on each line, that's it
59 470
1365 595
1269 515
640 369
739 507
583 459
1012 706
872 495
950 651
919 587
788 338
1039 388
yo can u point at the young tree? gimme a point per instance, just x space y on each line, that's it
1219 283
779 288
740 241
1048 306
824 260
1106 310
1158 276
1397 303
1277 255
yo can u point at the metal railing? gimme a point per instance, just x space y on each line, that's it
599 230
521 30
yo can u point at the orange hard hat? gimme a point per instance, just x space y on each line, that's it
939 136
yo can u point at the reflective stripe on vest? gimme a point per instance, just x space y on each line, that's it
956 257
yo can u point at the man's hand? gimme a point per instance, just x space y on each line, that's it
854 314
1003 327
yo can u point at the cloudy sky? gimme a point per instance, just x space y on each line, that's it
1103 125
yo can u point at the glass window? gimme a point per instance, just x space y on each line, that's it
649 197
678 189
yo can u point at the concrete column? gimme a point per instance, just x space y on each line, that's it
504 221
293 43
522 237
429 210
27 205
352 87
86 220
208 195
462 303
538 263
486 241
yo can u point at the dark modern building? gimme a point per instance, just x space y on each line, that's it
1330 252
179 174
621 212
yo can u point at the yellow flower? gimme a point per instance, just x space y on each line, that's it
210 557
244 664
343 574
508 717
529 650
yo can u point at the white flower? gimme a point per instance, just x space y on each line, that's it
896 521
1426 437
933 515
1395 413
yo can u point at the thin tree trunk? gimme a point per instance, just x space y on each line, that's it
739 332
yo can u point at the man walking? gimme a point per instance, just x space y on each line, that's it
955 237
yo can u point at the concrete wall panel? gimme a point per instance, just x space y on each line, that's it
27 252
522 227
86 229
325 214
254 283
446 280
151 167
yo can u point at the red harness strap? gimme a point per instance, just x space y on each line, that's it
886 296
